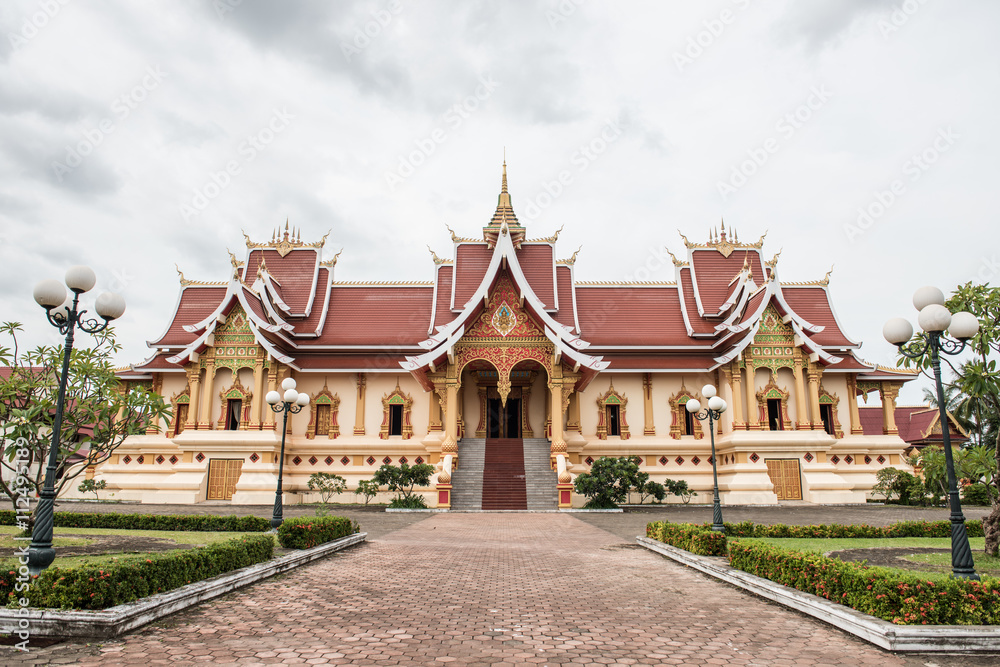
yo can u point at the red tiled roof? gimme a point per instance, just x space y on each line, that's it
196 304
536 262
442 311
373 315
350 361
813 305
309 324
631 316
295 271
159 362
693 362
712 273
564 315
913 422
471 262
697 323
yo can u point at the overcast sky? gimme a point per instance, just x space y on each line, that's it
857 133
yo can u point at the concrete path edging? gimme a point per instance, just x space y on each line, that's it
898 638
107 623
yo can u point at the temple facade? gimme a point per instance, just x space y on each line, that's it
503 356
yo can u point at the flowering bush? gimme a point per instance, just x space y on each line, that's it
134 577
308 532
901 598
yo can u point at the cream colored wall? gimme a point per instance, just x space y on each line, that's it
173 383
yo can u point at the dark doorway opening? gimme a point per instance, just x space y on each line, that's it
774 414
826 414
395 420
503 421
614 419
234 407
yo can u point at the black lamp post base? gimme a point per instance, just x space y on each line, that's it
40 558
962 565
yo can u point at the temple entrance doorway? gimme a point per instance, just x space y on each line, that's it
503 421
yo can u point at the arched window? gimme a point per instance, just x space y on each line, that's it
682 421
396 415
323 415
611 415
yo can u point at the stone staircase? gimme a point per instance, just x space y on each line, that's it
503 474
467 478
540 479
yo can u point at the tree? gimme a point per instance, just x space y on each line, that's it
679 488
327 485
654 489
609 481
368 488
99 412
402 479
891 482
979 380
90 486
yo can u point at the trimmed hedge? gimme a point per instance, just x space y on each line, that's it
698 539
196 522
134 577
901 598
308 532
900 529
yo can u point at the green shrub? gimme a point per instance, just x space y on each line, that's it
700 540
206 522
308 532
901 598
609 481
135 577
408 503
900 529
976 494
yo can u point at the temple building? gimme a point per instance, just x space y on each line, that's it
509 375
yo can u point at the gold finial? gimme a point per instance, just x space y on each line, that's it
454 236
760 241
673 257
249 242
684 238
572 260
184 281
437 260
232 258
322 241
774 260
826 278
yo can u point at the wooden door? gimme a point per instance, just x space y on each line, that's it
784 474
222 477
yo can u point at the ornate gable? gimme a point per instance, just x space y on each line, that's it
504 319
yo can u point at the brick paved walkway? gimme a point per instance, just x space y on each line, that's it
487 589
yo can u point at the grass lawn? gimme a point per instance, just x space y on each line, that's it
65 537
984 564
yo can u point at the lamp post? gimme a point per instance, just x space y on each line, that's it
934 319
292 401
716 406
64 314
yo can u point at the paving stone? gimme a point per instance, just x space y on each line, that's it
488 589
